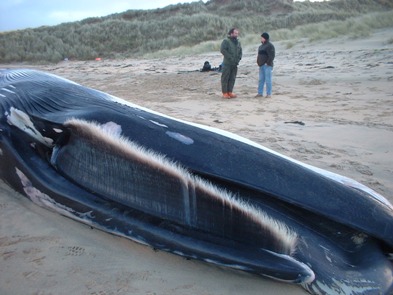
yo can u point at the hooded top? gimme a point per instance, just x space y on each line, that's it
266 54
232 51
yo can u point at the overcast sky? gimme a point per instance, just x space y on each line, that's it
22 14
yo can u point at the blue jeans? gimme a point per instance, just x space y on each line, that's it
265 76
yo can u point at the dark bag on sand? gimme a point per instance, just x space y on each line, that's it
206 67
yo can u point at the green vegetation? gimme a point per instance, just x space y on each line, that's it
194 28
354 27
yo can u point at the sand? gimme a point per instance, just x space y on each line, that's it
342 92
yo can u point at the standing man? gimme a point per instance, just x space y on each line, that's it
266 54
232 51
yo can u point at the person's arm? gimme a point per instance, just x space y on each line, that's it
240 52
224 48
271 55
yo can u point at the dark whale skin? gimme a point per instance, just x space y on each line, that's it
337 225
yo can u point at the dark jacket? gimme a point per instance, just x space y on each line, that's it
266 54
232 51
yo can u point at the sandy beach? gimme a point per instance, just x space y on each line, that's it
332 107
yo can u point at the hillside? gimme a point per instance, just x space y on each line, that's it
135 33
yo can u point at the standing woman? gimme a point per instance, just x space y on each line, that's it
232 51
266 54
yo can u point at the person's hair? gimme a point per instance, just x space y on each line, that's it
231 30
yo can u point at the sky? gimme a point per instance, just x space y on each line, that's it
22 14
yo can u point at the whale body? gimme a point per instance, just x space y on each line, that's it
189 189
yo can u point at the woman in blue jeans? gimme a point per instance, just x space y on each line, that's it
266 54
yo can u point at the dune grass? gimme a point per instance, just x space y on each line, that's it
356 27
193 28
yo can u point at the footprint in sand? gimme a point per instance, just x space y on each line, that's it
75 251
365 170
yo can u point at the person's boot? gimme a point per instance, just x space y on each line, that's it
232 95
226 95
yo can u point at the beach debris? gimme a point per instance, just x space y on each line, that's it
295 122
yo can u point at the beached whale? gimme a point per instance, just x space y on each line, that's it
189 189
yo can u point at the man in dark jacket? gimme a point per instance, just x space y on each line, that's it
232 51
266 54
